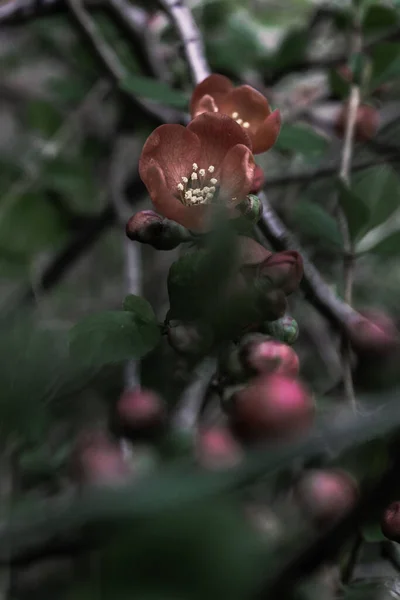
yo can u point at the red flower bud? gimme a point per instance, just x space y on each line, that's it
273 406
390 523
373 333
367 122
269 356
97 460
284 270
147 227
326 495
258 180
216 447
140 413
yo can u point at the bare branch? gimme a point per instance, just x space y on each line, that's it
190 36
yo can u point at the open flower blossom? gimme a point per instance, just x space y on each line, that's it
187 169
244 104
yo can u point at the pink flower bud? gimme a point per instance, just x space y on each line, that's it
390 523
269 356
140 413
273 406
97 460
373 333
216 447
326 495
147 227
258 180
284 270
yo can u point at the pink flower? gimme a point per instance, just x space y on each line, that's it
187 169
244 104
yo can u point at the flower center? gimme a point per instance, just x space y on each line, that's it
239 121
199 187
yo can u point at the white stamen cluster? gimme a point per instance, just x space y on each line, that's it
203 193
235 117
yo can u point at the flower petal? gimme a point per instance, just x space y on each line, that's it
192 217
251 106
217 134
236 175
215 86
174 148
205 104
267 133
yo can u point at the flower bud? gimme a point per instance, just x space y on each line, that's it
373 333
269 356
140 414
273 406
217 448
284 270
97 460
147 227
366 126
390 523
258 180
326 495
285 329
189 338
251 208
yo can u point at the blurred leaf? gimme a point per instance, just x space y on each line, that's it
385 63
356 212
292 48
69 91
372 533
389 247
112 337
378 17
31 224
75 180
379 187
140 307
42 116
338 84
313 220
302 140
364 590
153 89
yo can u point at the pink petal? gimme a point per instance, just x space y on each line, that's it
267 133
236 174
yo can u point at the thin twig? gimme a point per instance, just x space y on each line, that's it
344 176
113 66
190 36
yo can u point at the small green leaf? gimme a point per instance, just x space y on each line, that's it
385 63
154 90
338 84
301 139
112 337
356 212
388 247
140 307
380 189
378 17
313 220
43 117
292 49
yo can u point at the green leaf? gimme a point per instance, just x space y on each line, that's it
356 212
378 17
43 117
301 139
379 187
140 307
154 90
338 84
112 337
30 224
292 48
372 532
385 63
313 221
388 247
